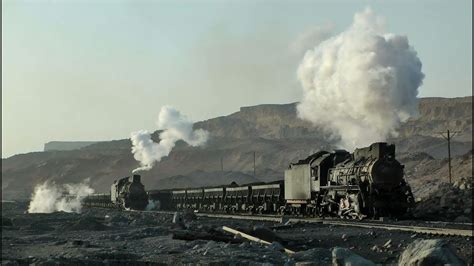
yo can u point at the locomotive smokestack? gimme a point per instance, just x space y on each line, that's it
360 84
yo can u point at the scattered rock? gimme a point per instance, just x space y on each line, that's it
429 252
82 243
6 221
388 244
320 256
306 263
285 220
265 234
447 202
117 219
343 257
462 219
88 223
376 248
60 242
275 246
244 245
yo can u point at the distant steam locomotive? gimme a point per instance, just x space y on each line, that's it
125 193
366 183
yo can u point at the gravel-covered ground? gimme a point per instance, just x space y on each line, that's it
103 236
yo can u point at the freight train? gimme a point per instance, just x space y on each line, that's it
366 183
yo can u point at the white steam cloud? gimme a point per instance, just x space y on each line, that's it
360 84
310 38
176 127
49 197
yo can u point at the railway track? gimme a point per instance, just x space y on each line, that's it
430 230
369 225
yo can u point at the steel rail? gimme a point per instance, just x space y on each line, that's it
369 225
393 227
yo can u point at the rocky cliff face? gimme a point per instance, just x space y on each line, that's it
272 121
438 115
273 132
277 121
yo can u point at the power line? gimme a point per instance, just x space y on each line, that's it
449 135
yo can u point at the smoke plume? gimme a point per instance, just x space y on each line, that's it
360 84
49 197
175 127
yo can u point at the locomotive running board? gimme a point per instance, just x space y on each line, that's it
351 187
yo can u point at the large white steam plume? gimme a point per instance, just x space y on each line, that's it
175 127
49 197
360 84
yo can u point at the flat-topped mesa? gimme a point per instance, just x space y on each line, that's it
67 145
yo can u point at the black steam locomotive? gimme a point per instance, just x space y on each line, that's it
125 193
366 183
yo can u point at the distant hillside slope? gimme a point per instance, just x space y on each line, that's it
273 132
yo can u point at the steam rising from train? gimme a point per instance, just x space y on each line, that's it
360 84
49 197
175 126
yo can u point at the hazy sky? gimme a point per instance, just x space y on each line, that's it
98 70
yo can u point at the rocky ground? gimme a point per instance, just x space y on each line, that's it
447 202
102 236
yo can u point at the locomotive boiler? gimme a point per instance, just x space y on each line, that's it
367 182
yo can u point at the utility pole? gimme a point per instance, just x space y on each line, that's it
254 165
449 135
222 164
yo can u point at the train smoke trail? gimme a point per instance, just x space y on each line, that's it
175 127
360 84
49 197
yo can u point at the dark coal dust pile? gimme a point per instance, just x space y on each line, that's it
107 236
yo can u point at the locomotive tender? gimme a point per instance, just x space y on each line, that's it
366 183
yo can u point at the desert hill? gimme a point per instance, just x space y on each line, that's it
272 131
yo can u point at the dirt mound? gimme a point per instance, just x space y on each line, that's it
448 202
